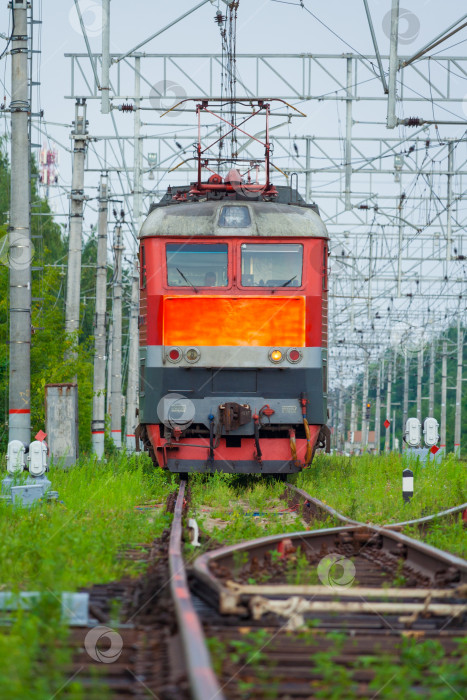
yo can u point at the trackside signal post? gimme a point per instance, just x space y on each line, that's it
19 234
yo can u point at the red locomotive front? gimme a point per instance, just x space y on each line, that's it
233 320
233 334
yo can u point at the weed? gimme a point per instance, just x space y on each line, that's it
399 578
299 571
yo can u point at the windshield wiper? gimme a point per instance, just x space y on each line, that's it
288 281
188 281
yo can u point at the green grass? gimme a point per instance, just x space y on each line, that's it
235 498
64 546
444 533
369 488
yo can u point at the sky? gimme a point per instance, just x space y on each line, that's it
263 27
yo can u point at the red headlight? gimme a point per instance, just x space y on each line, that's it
294 355
175 355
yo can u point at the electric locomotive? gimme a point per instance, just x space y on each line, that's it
233 328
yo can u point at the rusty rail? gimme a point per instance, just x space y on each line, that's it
320 507
203 682
428 562
428 518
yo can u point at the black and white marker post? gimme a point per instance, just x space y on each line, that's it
407 485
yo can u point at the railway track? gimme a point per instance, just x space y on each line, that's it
286 616
278 630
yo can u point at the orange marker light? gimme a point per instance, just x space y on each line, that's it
276 356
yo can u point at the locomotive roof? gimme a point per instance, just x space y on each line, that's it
202 219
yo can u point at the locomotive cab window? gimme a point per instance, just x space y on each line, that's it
272 264
196 265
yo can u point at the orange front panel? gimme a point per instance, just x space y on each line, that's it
245 320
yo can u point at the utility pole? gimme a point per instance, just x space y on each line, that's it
338 419
353 416
98 402
365 422
348 137
405 402
444 365
449 201
419 384
431 400
370 271
73 290
133 354
341 419
378 411
391 117
401 237
20 251
308 172
105 80
138 151
108 393
457 420
387 446
133 363
116 389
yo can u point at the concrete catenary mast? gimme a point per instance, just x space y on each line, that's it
98 402
378 411
444 386
365 420
132 386
79 136
20 251
387 442
458 413
116 387
133 354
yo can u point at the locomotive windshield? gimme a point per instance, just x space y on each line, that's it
272 265
196 265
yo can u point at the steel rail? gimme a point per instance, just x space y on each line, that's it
428 518
203 682
319 505
428 560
